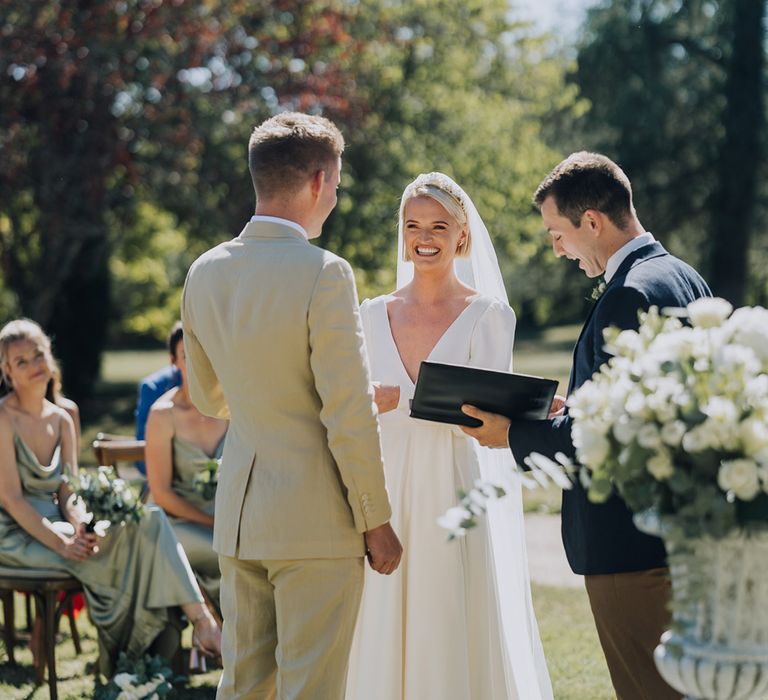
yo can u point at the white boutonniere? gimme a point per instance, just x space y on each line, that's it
597 290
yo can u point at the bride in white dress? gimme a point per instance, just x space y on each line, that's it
455 621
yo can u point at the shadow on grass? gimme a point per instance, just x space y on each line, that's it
17 675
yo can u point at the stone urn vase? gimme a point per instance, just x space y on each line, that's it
717 645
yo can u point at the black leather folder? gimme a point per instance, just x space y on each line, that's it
441 389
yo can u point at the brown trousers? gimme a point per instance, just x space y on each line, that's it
630 612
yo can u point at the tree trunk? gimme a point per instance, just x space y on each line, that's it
733 201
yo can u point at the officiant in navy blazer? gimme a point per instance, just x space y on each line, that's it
586 205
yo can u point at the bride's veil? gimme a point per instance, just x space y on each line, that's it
505 530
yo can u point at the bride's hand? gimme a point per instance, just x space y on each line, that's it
386 396
558 406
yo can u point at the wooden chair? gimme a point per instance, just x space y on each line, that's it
45 586
112 449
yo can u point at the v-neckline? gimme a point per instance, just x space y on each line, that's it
56 451
437 342
200 449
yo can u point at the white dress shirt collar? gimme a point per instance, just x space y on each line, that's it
277 220
621 254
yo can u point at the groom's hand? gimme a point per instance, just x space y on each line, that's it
494 432
383 549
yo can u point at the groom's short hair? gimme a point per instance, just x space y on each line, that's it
588 181
288 149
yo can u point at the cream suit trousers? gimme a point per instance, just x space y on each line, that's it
309 605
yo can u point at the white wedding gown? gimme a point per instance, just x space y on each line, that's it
455 621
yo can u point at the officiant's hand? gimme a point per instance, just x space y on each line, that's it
558 406
494 430
386 396
383 549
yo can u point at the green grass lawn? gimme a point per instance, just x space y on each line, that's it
575 662
570 642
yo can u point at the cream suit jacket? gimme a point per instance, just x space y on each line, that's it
273 342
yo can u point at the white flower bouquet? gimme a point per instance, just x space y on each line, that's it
207 479
677 420
106 497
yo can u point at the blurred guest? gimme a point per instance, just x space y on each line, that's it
134 577
151 388
180 441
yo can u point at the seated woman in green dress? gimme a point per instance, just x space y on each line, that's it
134 577
179 442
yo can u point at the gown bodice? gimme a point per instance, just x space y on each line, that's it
189 460
39 483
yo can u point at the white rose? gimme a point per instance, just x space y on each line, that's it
660 466
721 410
756 390
750 328
661 401
591 444
739 476
625 429
648 437
677 346
709 313
627 343
754 436
636 404
695 440
587 400
736 358
672 433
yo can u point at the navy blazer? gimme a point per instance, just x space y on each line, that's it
601 538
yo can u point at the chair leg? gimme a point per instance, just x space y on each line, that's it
73 625
28 608
9 625
37 637
50 641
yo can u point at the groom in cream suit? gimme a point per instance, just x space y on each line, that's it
273 342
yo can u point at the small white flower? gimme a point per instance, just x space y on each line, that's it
648 437
739 476
591 444
749 326
709 313
636 405
124 681
754 436
672 433
660 466
695 440
625 429
627 343
453 518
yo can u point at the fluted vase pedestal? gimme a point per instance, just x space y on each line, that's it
717 645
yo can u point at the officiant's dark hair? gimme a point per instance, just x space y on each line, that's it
588 181
176 334
288 149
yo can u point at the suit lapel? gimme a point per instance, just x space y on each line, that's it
646 252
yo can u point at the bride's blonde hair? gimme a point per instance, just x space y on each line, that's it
442 189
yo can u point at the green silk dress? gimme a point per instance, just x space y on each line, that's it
197 540
138 574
